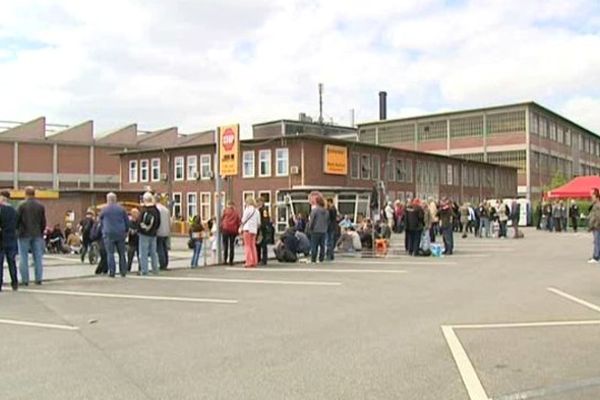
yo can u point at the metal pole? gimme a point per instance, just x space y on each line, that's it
218 205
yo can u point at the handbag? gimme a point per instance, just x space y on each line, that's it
190 244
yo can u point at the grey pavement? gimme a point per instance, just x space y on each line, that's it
357 328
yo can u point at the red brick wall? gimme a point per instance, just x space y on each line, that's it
506 139
35 158
73 160
433 145
6 157
104 162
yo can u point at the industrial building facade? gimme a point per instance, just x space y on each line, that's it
533 139
284 170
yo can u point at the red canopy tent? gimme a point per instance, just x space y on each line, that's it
579 187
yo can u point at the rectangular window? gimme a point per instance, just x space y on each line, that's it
390 170
133 171
355 166
205 166
376 168
552 129
155 170
408 170
205 206
248 164
144 171
543 128
264 163
192 168
450 175
365 167
177 205
282 162
400 170
568 137
192 205
179 162
533 123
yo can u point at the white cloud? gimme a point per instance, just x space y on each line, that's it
197 64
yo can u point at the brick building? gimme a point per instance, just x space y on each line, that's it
71 166
284 169
528 136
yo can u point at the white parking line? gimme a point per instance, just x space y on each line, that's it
465 367
584 303
526 324
390 262
38 325
252 281
129 296
325 270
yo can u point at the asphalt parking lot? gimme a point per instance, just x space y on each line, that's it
502 319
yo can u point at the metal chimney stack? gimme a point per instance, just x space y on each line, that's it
382 106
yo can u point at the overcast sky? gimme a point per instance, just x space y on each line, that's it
199 63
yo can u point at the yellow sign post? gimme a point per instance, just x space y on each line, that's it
335 160
229 149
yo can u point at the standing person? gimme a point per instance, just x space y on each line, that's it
399 215
318 225
594 225
574 215
133 240
196 236
230 225
331 230
464 219
249 228
389 215
8 240
149 223
31 223
435 220
515 216
85 229
446 214
264 232
163 234
556 217
503 213
484 220
96 237
415 221
564 217
115 225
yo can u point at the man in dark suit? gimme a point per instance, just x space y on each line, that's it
31 223
8 239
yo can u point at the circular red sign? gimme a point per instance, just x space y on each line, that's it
228 139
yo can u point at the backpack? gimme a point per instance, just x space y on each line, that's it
147 222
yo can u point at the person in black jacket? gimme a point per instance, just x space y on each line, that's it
574 214
85 228
331 237
8 239
31 223
149 222
415 221
265 232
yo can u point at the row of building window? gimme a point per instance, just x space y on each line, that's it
547 128
473 126
188 168
282 163
368 167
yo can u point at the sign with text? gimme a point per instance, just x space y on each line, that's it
229 149
335 160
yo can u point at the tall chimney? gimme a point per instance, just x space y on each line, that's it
382 106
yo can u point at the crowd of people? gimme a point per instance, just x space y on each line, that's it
144 232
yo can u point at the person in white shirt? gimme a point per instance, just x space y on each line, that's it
249 229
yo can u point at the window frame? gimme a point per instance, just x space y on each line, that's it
203 204
365 161
188 203
267 162
189 173
376 167
155 168
133 166
244 193
286 152
176 167
206 161
177 205
253 164
355 165
145 162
